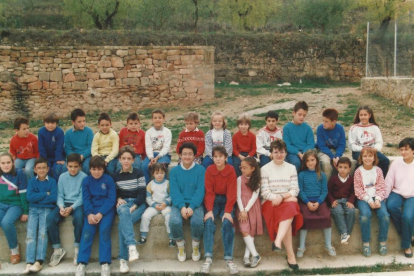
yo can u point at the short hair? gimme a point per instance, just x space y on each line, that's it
188 145
278 144
159 111
104 116
97 162
133 116
406 142
74 157
77 112
272 114
158 167
192 116
20 121
331 114
345 160
371 151
300 105
244 119
127 149
220 149
217 113
40 160
51 118
13 170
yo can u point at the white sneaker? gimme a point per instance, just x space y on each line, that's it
75 258
105 270
81 270
57 257
344 238
27 269
133 253
206 267
36 267
196 253
232 267
182 255
123 266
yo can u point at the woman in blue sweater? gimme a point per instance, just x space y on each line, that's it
313 191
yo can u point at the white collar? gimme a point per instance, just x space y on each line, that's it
47 178
184 168
343 179
186 130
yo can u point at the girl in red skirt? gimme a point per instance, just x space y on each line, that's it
313 191
249 213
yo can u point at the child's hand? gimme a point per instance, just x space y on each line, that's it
189 212
227 216
278 199
377 204
163 206
98 217
132 209
158 207
335 161
60 162
310 206
290 199
62 211
120 202
300 155
82 158
154 160
315 206
91 219
372 205
243 216
106 163
241 157
350 205
48 193
24 218
209 215
184 213
335 203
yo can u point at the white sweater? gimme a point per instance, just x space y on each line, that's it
364 136
264 137
157 141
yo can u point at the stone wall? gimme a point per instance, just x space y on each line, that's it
36 80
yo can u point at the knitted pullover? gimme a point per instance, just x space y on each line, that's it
158 193
338 189
400 179
312 188
265 136
24 147
227 143
196 137
51 144
298 138
331 139
135 139
106 145
361 136
157 140
244 143
13 190
79 141
131 185
70 189
360 189
99 195
37 192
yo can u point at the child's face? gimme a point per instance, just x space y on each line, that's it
299 116
218 122
158 120
50 126
6 164
41 170
73 168
133 125
271 123
187 157
190 125
406 153
219 159
367 159
364 116
243 127
311 162
159 175
79 123
246 169
23 132
97 172
126 160
278 156
343 169
328 124
104 126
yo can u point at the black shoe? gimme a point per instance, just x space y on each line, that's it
292 266
142 241
409 255
275 248
172 243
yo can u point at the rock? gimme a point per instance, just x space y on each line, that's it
234 83
80 85
101 83
69 78
122 53
56 76
106 75
44 76
35 85
117 62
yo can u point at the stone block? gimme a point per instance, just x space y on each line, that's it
117 62
94 76
122 53
106 75
141 52
252 73
25 59
104 63
101 83
44 76
158 56
77 85
173 52
35 85
190 89
45 85
28 79
131 81
176 57
69 78
121 74
145 81
4 58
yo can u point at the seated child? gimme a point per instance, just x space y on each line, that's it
341 196
69 202
99 196
244 143
41 195
193 135
23 147
267 135
105 143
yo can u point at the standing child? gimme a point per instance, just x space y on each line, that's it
99 195
219 200
23 147
365 133
341 196
244 143
105 143
267 135
249 213
218 135
51 144
41 195
158 200
193 135
157 143
13 203
313 190
369 188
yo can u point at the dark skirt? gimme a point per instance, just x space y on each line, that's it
319 219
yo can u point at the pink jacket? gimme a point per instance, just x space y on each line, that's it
359 187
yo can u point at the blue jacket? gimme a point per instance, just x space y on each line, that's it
79 141
51 144
99 195
298 138
37 195
331 139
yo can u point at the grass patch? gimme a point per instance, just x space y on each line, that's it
293 90
390 145
347 118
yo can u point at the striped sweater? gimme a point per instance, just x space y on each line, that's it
360 189
131 185
227 143
158 193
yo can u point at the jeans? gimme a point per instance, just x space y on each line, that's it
55 169
8 216
27 165
149 213
237 162
384 162
264 160
137 163
344 217
365 221
146 170
88 233
403 219
85 165
227 230
53 220
36 239
196 224
126 234
207 161
294 160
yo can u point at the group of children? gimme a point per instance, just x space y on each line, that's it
93 177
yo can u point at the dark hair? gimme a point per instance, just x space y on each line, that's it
188 145
278 144
406 142
77 112
13 170
104 116
308 154
40 160
331 114
221 150
192 116
159 111
133 117
51 118
74 157
127 149
369 150
158 167
20 121
255 178
370 112
224 126
244 119
97 162
345 160
272 114
300 105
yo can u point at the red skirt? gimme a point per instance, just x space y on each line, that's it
319 219
273 215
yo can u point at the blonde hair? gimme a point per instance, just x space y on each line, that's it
371 151
217 113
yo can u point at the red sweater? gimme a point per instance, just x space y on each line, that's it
196 137
24 148
244 143
338 189
135 139
220 183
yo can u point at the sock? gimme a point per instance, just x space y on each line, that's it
246 252
76 250
250 244
195 243
40 261
209 259
131 246
327 232
302 238
144 234
57 251
180 243
15 251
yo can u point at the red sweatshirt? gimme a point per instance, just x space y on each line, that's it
220 183
244 143
24 148
196 137
135 139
